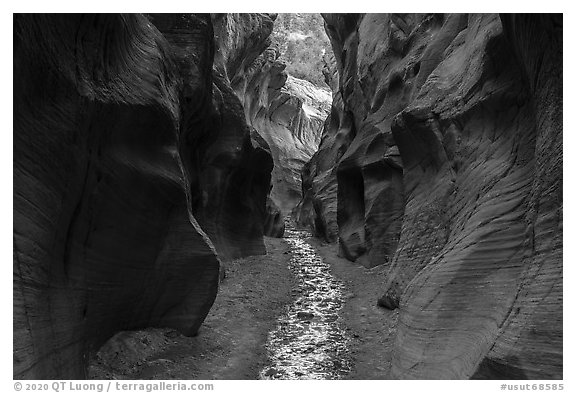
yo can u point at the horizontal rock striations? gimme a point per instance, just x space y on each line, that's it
529 342
451 176
126 129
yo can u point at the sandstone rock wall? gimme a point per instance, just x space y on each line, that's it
451 176
289 114
530 341
124 134
234 179
316 210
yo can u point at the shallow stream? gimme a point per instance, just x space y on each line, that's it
310 341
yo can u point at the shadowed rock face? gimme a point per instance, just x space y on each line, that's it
392 56
274 223
453 178
288 113
235 170
273 217
317 209
529 344
123 135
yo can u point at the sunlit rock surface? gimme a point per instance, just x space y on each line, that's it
126 130
289 114
448 157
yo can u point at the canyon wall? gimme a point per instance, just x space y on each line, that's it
134 172
289 114
234 179
316 211
444 147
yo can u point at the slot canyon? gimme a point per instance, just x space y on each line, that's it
288 196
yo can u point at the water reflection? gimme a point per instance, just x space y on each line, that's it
309 341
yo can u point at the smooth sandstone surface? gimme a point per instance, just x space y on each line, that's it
234 176
316 211
446 147
145 148
289 114
134 174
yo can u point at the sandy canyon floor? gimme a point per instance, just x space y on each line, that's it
257 294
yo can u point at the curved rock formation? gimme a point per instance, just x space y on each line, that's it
529 343
234 179
123 135
453 179
273 218
288 113
482 227
317 209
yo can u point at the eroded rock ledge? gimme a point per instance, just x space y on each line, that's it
445 146
134 171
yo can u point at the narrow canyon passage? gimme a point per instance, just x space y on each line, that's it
309 341
298 312
288 196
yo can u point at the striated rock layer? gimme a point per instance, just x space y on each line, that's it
448 157
123 134
289 114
